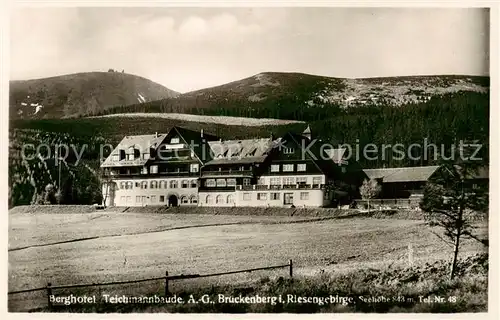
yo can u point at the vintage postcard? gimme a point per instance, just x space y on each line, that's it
248 159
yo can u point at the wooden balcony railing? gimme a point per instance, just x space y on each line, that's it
279 187
227 172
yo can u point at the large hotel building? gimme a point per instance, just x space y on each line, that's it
190 168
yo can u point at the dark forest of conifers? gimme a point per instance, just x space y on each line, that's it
443 120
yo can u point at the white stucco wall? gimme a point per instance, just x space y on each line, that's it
314 198
129 197
223 196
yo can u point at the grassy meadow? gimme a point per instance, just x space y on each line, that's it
126 246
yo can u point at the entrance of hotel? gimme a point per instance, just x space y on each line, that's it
173 201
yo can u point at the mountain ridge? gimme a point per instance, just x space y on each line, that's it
80 93
263 95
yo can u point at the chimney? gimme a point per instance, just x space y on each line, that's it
156 134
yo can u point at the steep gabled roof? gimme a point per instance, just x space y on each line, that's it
336 155
196 142
409 174
142 142
240 151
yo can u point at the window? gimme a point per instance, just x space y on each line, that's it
162 198
275 181
261 181
138 199
287 167
209 199
130 156
153 169
194 184
154 185
304 196
116 157
288 180
275 196
184 184
184 200
165 184
210 183
174 140
247 196
144 198
137 184
153 199
173 184
287 150
246 181
146 156
194 199
128 185
221 182
316 180
144 185
288 198
261 196
301 180
275 168
144 170
219 199
129 199
122 185
230 198
301 167
194 167
231 182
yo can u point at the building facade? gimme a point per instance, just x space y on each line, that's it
154 170
185 168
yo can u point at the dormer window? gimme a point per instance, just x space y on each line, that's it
287 150
146 156
174 140
132 153
252 152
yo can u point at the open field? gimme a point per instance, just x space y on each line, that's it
132 245
225 120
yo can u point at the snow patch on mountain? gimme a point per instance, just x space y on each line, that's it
141 98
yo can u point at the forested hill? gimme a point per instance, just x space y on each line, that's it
305 97
442 120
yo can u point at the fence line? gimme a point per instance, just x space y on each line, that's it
167 278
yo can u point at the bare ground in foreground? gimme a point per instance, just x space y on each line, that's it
315 246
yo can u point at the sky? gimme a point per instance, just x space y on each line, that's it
187 49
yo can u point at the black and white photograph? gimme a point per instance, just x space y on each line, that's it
249 160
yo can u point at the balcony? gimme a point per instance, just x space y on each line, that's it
280 187
234 173
214 189
152 175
